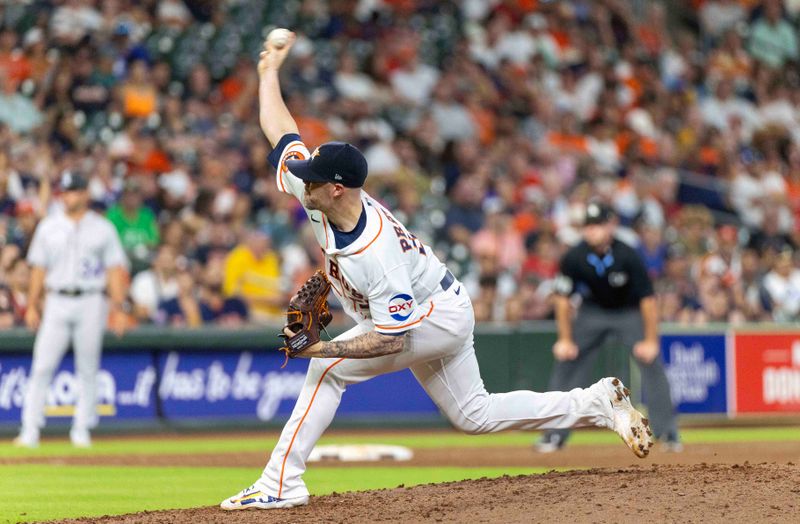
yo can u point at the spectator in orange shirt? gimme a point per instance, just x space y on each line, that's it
138 96
12 59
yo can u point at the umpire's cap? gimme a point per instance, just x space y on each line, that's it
72 181
334 162
597 213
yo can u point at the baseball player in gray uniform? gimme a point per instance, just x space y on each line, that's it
76 257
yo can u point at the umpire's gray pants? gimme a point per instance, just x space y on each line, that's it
590 331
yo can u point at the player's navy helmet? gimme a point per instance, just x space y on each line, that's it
597 213
334 162
72 181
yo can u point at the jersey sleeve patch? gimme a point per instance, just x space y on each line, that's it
392 304
276 154
287 182
401 307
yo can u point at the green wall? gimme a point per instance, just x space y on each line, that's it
510 357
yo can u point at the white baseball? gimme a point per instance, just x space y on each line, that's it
279 37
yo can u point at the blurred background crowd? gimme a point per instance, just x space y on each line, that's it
487 125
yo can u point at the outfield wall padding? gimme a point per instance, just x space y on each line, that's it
216 376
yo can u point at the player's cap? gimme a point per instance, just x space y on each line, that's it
334 162
72 181
597 213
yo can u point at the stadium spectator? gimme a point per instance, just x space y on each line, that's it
652 249
137 95
9 254
215 307
151 287
14 294
17 111
773 40
184 309
87 92
485 302
413 81
683 123
749 294
499 239
73 20
7 201
173 14
542 258
252 272
351 83
782 284
12 60
533 302
24 224
719 16
136 224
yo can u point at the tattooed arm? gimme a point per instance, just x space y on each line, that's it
368 345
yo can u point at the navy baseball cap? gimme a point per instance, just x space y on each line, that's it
597 213
334 162
72 181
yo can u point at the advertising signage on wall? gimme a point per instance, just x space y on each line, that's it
125 387
199 384
184 385
695 367
223 385
710 373
767 367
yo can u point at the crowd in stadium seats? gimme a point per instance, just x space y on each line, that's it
487 125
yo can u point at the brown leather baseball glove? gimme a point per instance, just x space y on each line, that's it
307 314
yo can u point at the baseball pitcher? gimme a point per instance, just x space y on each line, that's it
410 310
76 258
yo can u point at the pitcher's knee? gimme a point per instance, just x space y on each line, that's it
470 428
472 418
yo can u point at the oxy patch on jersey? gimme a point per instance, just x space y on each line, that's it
401 306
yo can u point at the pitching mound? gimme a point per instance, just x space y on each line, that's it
658 493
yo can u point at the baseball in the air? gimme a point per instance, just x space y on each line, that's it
279 37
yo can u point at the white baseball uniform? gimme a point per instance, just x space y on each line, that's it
75 257
388 281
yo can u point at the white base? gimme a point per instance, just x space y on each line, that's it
360 453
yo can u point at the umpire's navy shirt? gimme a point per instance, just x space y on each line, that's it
614 280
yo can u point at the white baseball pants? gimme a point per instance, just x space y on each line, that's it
80 320
440 353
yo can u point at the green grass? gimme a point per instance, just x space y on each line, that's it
41 492
73 491
428 440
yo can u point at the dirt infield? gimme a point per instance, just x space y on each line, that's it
606 456
720 482
654 493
